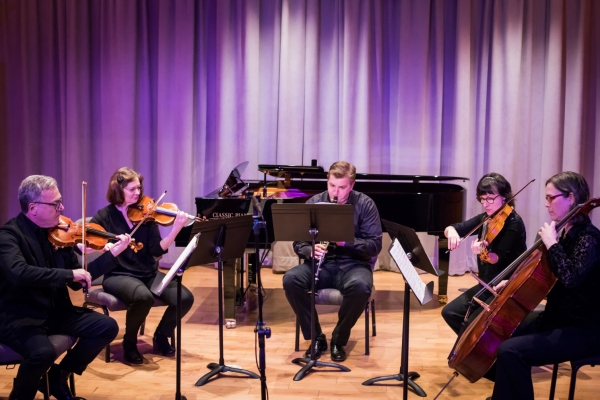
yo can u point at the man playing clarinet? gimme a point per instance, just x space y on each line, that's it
347 266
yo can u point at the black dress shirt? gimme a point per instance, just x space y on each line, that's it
367 233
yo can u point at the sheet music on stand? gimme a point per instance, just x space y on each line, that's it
159 286
422 292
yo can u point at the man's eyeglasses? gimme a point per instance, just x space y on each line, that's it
550 198
56 204
490 200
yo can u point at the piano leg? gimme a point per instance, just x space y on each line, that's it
444 263
229 288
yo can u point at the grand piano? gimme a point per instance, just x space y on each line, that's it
424 203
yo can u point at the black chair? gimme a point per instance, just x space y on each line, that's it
98 298
61 343
575 365
333 297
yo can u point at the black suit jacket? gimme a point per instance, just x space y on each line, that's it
30 290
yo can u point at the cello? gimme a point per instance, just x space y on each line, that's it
476 348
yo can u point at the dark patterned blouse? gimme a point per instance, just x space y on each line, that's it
575 260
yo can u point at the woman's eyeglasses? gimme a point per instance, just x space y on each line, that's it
490 200
549 198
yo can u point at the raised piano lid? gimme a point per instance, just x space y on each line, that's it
233 186
305 172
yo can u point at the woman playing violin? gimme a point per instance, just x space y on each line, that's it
569 328
492 192
132 279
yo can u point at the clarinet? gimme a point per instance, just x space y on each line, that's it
322 258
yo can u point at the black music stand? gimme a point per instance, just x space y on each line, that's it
221 239
159 286
303 222
411 246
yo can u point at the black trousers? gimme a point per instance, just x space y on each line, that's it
454 312
93 330
354 283
530 347
139 299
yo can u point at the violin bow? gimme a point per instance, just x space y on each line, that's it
486 219
83 221
147 215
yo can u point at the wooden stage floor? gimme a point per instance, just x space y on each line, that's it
430 343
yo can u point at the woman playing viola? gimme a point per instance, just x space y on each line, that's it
132 279
492 192
569 328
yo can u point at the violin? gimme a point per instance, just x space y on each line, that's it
147 210
67 233
495 225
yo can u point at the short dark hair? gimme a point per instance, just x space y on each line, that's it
341 169
31 189
493 183
120 179
571 182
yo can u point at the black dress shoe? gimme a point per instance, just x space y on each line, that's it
338 353
320 347
161 345
131 353
57 382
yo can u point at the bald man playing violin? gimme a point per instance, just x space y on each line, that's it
34 300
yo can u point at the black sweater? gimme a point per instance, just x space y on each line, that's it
144 263
508 245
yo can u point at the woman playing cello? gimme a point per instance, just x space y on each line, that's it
132 279
492 192
569 328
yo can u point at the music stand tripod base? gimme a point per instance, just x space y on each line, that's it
398 377
217 369
309 364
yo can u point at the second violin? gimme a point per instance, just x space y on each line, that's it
146 209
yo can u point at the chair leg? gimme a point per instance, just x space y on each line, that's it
105 311
367 329
573 381
72 383
47 388
107 348
553 381
373 317
297 344
142 328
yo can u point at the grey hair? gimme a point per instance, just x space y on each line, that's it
31 189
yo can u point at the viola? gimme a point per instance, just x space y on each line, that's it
146 209
476 348
67 233
495 225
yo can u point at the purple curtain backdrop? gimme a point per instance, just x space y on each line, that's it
183 91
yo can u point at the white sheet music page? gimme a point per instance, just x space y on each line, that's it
187 252
408 270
